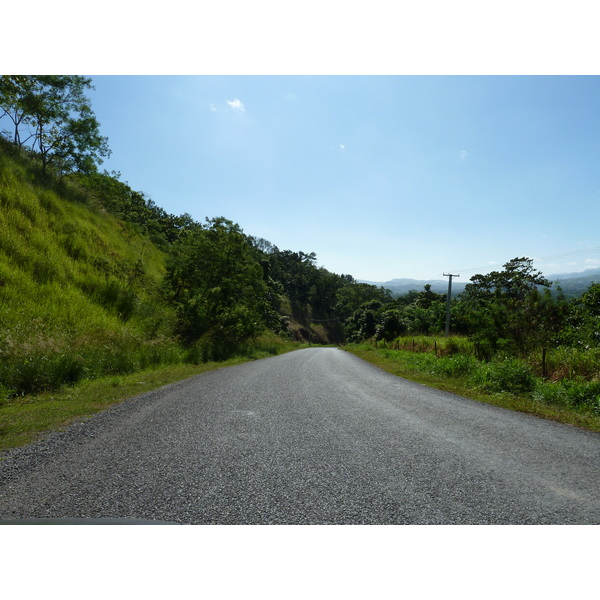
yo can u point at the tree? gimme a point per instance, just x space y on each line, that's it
14 91
427 297
216 284
295 271
582 322
352 296
53 112
506 305
391 324
515 282
363 322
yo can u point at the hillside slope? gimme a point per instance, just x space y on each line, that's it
79 290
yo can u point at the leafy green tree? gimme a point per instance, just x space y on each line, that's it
407 298
216 284
391 324
56 116
295 271
323 294
352 297
582 321
505 308
363 322
427 297
15 90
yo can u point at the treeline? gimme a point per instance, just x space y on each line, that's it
511 311
513 335
83 295
228 286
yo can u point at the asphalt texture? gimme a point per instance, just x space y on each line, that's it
316 436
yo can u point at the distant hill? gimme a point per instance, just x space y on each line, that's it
399 287
572 284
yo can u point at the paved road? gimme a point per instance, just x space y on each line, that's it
316 436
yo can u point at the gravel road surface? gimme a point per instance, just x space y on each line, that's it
316 436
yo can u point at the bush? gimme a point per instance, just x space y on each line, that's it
569 393
455 365
37 372
509 375
47 369
5 394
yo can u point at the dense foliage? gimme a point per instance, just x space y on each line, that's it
510 311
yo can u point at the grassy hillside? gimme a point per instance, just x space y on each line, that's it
79 290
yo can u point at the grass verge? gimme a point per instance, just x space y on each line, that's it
419 367
24 419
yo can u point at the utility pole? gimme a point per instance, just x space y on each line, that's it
450 275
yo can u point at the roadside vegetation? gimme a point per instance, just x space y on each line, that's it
24 418
514 343
100 284
568 393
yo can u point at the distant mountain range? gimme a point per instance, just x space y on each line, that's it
399 287
572 284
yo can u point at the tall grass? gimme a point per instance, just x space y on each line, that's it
79 291
441 346
208 349
566 363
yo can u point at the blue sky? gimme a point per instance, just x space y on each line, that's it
381 176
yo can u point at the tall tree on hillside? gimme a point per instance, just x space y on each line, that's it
507 305
53 113
216 284
14 92
296 271
352 296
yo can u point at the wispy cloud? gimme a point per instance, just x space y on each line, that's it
213 108
236 105
463 154
342 147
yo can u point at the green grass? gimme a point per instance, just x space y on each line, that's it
24 419
508 383
79 290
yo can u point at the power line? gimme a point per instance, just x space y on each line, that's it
568 254
434 278
544 259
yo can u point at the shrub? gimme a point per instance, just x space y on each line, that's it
509 375
569 363
456 365
569 393
5 394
